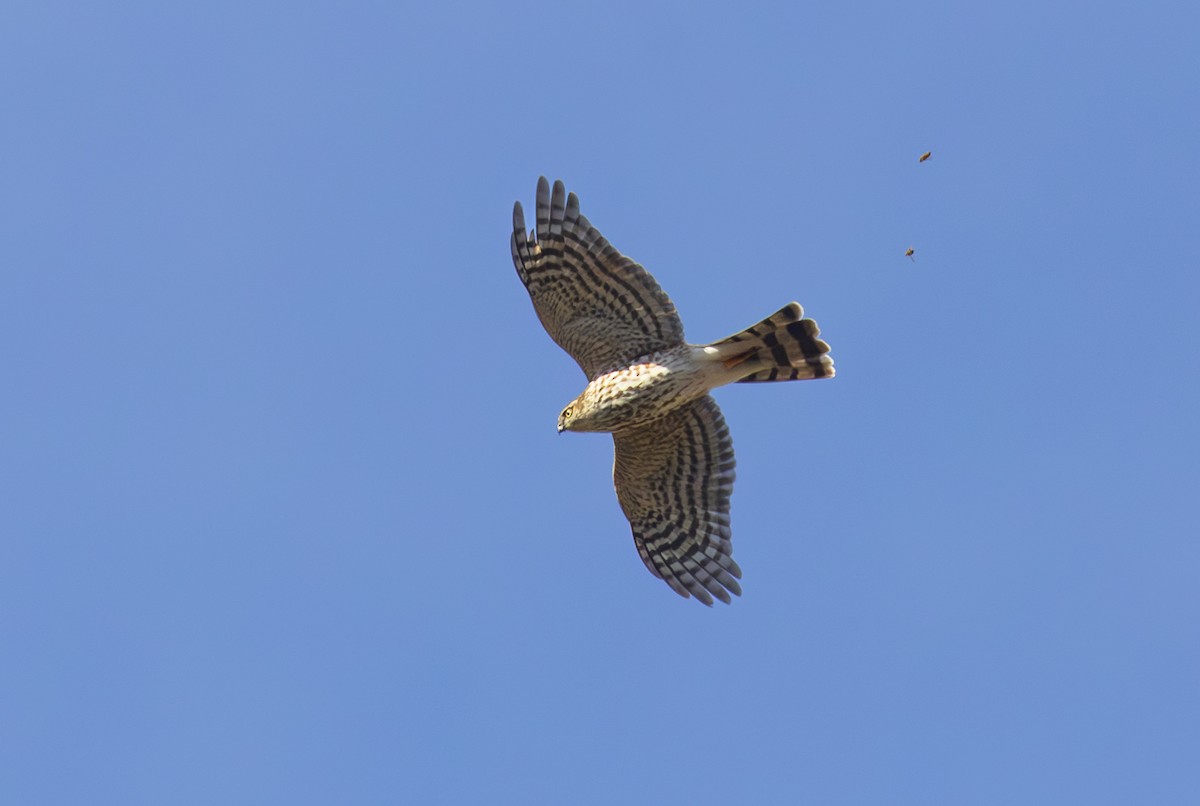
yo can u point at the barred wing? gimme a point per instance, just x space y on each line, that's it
598 305
673 479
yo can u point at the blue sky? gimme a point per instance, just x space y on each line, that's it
283 514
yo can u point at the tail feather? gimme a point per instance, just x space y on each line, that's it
782 347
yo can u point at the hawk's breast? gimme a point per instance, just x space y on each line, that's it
649 388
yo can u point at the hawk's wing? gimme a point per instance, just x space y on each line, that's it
673 479
597 304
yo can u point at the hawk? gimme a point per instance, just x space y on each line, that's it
673 469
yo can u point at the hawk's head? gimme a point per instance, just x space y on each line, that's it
564 419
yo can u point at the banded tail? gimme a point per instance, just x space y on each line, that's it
782 347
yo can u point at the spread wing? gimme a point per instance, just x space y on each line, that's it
598 305
673 479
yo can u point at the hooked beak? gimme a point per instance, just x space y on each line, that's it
560 428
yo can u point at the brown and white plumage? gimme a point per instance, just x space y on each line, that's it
597 304
674 465
674 477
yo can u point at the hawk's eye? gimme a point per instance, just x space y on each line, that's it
567 413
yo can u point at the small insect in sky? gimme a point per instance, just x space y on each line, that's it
925 156
909 254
